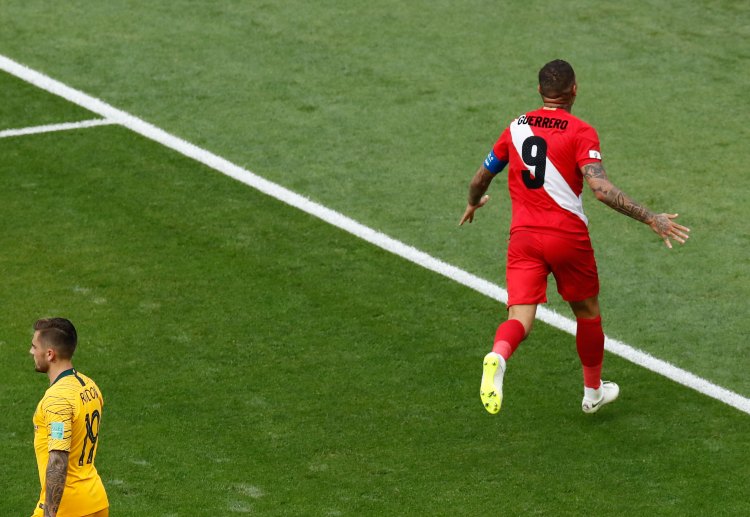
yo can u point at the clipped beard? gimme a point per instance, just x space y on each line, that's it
41 368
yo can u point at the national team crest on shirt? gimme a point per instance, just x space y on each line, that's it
57 430
595 154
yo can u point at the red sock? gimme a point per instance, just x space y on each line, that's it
590 345
509 335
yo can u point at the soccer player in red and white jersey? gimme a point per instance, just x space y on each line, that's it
550 153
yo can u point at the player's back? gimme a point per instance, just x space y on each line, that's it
68 418
545 149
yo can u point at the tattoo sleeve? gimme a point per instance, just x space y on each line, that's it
609 194
57 471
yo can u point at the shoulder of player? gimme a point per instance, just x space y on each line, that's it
59 400
62 389
70 401
579 123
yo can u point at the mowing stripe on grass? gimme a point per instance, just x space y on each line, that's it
351 226
65 126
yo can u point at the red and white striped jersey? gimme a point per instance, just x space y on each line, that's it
546 150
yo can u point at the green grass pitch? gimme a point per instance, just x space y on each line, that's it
256 360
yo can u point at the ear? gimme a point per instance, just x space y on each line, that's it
51 354
574 92
539 88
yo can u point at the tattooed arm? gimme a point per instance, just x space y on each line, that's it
609 194
479 185
57 471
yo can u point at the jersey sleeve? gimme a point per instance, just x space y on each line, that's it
588 149
497 158
58 414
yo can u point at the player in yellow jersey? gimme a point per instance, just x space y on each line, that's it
66 427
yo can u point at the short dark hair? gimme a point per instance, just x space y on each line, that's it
58 333
556 79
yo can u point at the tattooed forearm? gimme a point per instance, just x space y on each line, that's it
57 470
620 201
479 185
612 196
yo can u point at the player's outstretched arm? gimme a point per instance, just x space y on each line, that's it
57 471
606 192
479 185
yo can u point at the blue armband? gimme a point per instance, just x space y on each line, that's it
493 164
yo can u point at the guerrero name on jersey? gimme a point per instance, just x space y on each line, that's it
68 419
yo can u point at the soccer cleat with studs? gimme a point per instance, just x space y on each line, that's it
609 393
491 390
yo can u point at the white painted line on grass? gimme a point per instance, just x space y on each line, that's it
65 126
351 226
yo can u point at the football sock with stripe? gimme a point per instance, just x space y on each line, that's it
509 335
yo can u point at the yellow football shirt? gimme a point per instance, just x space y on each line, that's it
68 418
